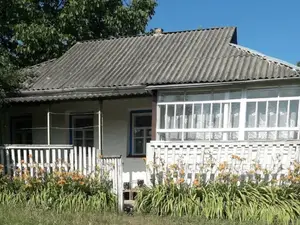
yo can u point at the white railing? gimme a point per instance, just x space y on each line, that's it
38 159
274 157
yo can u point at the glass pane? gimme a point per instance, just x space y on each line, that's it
78 142
198 118
294 106
28 137
89 134
188 116
282 114
272 110
78 134
290 92
161 136
142 120
233 136
174 97
179 116
262 93
83 122
254 135
174 136
191 136
170 117
89 143
206 115
235 115
218 95
162 115
216 136
138 133
138 146
261 114
235 95
194 96
148 140
288 135
250 114
148 133
216 116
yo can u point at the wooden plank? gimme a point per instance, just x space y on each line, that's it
8 165
89 160
154 115
59 159
31 161
76 158
54 160
71 152
66 159
80 159
84 157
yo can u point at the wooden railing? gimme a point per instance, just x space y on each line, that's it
273 157
38 159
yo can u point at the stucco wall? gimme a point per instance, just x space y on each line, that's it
116 119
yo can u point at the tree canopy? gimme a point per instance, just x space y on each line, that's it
33 31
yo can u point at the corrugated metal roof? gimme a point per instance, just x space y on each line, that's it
207 55
79 96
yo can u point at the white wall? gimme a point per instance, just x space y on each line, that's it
116 119
116 116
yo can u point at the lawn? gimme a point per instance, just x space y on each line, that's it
30 216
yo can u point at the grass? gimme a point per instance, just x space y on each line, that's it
30 216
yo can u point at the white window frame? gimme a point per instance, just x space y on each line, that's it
242 129
74 129
133 115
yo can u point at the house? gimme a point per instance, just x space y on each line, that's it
186 88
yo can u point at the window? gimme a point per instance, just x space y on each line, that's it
83 131
257 114
21 130
140 132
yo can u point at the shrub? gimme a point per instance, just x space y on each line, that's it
246 202
61 191
258 197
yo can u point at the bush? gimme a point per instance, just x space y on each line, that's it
246 202
61 191
228 196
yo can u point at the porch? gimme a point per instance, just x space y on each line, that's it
98 127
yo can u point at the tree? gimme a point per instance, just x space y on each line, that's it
298 64
32 31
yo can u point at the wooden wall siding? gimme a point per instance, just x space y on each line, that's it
204 158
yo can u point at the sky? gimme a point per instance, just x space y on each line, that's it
268 26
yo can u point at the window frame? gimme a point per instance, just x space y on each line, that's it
73 118
243 101
134 113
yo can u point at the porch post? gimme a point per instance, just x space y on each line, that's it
100 122
154 113
48 126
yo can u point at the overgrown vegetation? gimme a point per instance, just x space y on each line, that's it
59 191
268 200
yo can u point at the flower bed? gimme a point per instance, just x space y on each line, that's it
61 191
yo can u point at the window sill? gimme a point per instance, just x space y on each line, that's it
136 156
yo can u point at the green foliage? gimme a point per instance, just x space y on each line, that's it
59 191
10 77
33 31
245 202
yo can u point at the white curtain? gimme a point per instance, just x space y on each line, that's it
263 114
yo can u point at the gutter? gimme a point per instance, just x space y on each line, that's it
214 84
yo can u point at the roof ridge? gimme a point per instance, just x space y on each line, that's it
150 34
266 57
